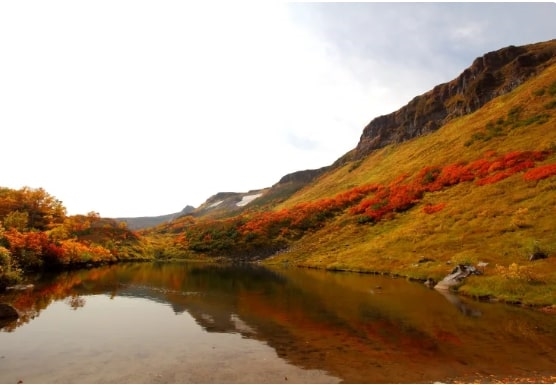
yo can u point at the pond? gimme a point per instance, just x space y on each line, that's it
190 322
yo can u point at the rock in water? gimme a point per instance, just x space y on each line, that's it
8 312
458 274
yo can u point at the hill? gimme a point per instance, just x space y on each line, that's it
138 223
463 174
228 204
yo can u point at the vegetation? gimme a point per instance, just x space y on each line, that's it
486 200
36 233
479 189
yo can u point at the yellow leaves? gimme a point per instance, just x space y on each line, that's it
77 252
520 218
515 271
17 220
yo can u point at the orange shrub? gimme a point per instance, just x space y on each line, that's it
540 172
431 209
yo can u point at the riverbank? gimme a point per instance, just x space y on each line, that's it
494 284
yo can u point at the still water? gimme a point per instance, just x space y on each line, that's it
179 323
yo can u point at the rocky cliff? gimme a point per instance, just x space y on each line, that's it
494 74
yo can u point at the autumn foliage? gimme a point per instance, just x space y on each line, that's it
540 172
262 233
431 209
36 233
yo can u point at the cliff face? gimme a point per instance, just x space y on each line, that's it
494 74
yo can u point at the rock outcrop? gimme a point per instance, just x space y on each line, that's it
494 74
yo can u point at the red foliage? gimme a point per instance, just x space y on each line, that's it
373 201
479 167
453 174
305 215
508 165
19 242
431 209
540 172
494 178
491 169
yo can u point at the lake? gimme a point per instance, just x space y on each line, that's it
191 322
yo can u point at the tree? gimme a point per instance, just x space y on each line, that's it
17 220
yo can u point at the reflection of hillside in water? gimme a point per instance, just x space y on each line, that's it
360 328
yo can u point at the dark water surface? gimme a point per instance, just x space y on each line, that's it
179 322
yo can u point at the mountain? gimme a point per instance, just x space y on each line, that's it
463 174
137 223
226 204
490 76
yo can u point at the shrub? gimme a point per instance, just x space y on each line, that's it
552 89
550 105
9 274
516 272
540 172
431 209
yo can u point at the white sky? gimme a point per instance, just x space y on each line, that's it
137 108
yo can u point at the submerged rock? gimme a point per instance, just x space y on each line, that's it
8 312
458 274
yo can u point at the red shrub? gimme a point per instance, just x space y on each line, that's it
431 209
494 178
540 172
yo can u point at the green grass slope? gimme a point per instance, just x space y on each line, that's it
500 222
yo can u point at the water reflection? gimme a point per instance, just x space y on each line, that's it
321 322
460 304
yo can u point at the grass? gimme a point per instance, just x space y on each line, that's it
495 223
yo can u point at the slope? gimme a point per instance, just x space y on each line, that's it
500 222
480 187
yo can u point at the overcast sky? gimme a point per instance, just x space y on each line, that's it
137 108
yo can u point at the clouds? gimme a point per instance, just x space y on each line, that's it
135 108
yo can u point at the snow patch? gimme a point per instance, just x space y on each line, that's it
248 198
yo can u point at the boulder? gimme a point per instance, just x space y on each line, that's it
537 255
458 274
8 312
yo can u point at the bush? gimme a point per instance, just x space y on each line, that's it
552 89
9 275
431 209
540 172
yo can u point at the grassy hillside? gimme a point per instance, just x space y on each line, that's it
481 188
500 223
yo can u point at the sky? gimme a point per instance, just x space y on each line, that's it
139 108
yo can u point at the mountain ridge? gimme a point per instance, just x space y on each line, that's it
494 74
491 75
478 190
